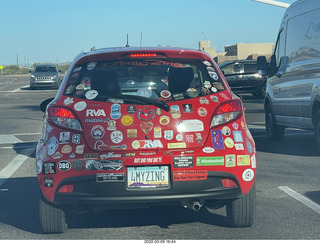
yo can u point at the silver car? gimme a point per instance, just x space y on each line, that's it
45 75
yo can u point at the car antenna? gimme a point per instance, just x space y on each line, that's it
127 41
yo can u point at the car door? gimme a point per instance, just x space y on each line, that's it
234 75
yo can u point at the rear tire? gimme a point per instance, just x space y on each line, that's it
52 218
274 131
241 211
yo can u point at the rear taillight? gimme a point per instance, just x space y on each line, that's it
227 112
63 117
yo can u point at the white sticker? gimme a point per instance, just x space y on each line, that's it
248 175
39 166
68 101
179 137
79 106
92 94
91 65
191 125
52 145
253 161
116 136
208 150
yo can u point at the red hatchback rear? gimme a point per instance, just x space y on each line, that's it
140 127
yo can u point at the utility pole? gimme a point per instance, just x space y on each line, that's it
17 60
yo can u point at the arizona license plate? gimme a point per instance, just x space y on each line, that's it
148 177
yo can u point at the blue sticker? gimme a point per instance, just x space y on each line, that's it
217 139
249 147
115 111
237 135
144 92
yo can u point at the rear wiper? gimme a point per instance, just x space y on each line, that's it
146 100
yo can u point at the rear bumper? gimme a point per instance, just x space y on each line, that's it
87 191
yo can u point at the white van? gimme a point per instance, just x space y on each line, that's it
293 88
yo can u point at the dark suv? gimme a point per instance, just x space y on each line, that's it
242 76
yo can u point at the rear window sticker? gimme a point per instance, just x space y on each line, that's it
114 100
80 87
131 109
157 132
66 149
164 120
64 137
79 106
116 136
146 114
192 125
237 135
187 108
132 133
52 145
214 90
126 120
202 111
115 111
130 83
217 139
92 94
205 91
207 84
144 92
70 89
205 62
178 96
68 101
146 127
213 75
229 142
76 69
97 132
230 160
79 149
91 65
99 145
168 134
175 111
165 94
218 85
192 92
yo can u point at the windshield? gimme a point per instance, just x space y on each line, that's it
164 80
47 69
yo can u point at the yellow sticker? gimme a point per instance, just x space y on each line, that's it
243 160
126 120
177 145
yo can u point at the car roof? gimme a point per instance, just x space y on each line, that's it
117 52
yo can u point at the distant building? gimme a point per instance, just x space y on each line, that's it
238 51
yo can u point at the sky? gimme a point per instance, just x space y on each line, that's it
58 30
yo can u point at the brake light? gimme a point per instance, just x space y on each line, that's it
227 183
142 55
227 112
66 189
63 117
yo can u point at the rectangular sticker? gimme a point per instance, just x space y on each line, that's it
183 162
243 160
217 139
110 177
210 161
190 175
230 160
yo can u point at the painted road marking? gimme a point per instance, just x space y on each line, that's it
9 170
301 198
9 139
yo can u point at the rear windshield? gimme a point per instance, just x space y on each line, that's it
47 69
166 80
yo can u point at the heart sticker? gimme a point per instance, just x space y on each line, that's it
146 127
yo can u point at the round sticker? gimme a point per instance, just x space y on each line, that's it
77 164
226 131
79 106
202 111
126 120
64 165
131 109
92 94
214 99
247 175
116 136
164 120
97 132
165 94
66 149
179 137
213 89
213 75
208 150
229 142
192 92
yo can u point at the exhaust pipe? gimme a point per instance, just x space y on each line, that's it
196 206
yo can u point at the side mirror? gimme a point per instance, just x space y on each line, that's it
262 65
45 103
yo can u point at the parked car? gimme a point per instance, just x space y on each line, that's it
141 127
243 77
45 75
293 90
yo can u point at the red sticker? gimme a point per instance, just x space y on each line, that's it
190 175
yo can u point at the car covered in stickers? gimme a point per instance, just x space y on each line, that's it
138 127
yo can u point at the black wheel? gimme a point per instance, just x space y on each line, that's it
274 131
241 211
52 218
317 131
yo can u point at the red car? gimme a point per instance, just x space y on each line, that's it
145 126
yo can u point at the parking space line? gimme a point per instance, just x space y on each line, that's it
9 170
301 198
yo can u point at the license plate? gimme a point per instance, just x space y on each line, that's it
148 177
